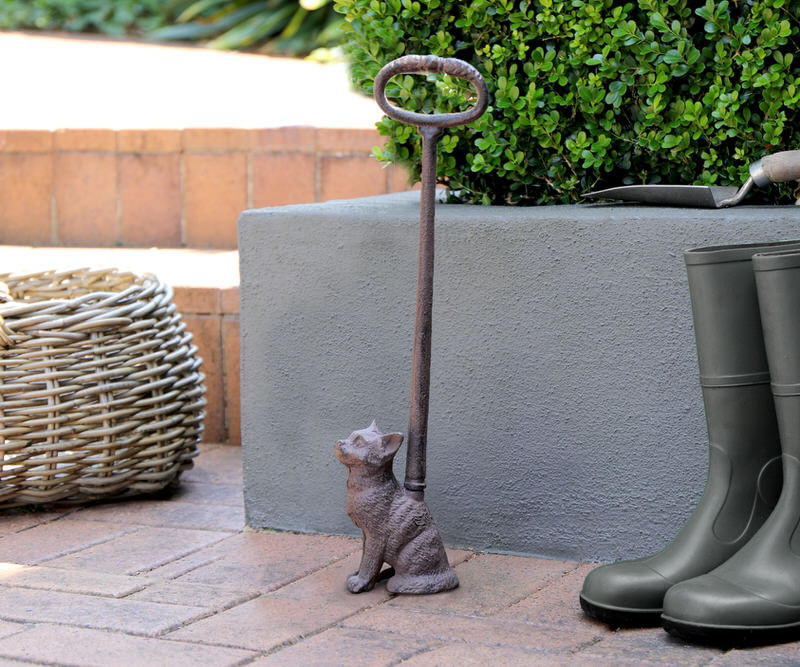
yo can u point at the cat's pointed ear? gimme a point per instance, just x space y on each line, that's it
373 426
391 443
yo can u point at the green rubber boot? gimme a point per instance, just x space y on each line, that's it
744 451
754 597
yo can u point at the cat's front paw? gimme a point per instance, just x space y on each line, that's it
358 584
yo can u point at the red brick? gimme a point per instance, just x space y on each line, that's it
207 332
90 611
476 654
215 465
784 654
298 139
215 192
471 629
166 513
348 142
229 301
197 300
13 521
547 606
26 199
86 199
85 140
283 179
150 200
328 584
77 646
198 595
7 628
69 581
149 141
267 622
214 139
349 177
141 551
28 141
50 540
230 354
645 646
398 178
339 646
260 562
512 577
209 494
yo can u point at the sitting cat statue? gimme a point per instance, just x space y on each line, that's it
398 529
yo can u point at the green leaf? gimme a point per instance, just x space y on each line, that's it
311 5
253 29
670 141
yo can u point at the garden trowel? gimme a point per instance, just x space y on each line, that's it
775 168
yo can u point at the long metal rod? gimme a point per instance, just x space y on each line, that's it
431 127
421 360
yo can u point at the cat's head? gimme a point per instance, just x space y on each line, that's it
368 448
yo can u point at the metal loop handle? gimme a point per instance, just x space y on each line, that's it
418 65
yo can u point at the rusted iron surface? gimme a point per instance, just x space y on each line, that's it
398 529
431 127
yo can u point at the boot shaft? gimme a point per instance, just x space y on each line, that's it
778 281
728 333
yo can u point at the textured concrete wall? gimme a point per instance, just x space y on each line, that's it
566 415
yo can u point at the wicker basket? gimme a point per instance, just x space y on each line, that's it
100 393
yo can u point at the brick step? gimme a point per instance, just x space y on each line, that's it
206 286
173 188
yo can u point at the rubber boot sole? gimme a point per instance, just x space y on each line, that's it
731 637
620 617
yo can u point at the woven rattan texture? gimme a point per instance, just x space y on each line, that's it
100 389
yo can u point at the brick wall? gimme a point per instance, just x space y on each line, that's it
173 188
212 315
179 188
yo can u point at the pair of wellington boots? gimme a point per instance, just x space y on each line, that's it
731 577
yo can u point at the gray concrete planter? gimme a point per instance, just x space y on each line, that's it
566 415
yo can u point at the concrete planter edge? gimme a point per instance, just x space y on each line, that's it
566 415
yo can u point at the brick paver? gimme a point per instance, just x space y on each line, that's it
264 562
13 522
471 629
142 551
70 581
354 648
66 645
178 581
51 540
93 611
489 584
177 513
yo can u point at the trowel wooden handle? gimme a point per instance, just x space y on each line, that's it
781 167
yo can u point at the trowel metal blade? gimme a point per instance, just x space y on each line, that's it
689 196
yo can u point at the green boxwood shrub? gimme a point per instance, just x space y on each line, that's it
286 27
120 17
589 94
291 27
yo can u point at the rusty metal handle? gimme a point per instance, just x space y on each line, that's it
418 65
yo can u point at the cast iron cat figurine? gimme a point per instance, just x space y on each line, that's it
397 528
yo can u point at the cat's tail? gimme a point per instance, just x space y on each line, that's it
422 584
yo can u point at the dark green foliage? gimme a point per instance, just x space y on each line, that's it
284 26
290 27
119 17
590 94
